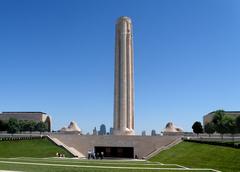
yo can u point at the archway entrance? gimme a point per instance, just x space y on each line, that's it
115 152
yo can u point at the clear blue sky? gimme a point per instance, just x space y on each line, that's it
58 57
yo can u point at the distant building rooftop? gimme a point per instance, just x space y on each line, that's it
23 112
226 112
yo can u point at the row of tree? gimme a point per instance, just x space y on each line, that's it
14 126
221 123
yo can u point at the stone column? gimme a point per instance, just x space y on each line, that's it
123 76
123 94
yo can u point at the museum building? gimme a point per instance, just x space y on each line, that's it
28 116
209 117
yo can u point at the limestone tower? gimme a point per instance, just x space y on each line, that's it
123 87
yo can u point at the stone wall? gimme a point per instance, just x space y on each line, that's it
143 145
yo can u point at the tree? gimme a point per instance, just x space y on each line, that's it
229 124
238 124
3 126
41 127
32 126
29 126
209 128
26 126
218 120
197 127
218 116
13 126
22 124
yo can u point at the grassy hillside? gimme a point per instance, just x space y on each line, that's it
39 148
201 155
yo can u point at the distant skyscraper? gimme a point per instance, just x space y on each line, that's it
144 133
102 130
153 133
95 131
111 131
124 88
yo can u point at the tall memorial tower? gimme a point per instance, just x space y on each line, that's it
123 123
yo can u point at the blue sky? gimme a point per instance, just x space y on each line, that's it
58 57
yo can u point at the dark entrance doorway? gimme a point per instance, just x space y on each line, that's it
116 152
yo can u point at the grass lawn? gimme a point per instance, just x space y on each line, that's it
40 148
201 155
33 155
72 165
89 163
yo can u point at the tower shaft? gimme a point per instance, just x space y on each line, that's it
124 86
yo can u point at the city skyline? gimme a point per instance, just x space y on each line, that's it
58 57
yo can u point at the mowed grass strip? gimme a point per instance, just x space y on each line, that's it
87 160
196 155
84 161
47 168
89 163
30 148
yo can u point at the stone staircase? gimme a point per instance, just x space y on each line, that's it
72 150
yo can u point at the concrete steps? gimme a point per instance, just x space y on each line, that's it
72 150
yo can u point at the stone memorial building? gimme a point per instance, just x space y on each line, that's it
27 116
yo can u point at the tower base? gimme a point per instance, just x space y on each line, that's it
127 131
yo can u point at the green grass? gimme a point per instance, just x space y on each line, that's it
52 165
39 148
67 169
201 155
90 163
35 156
